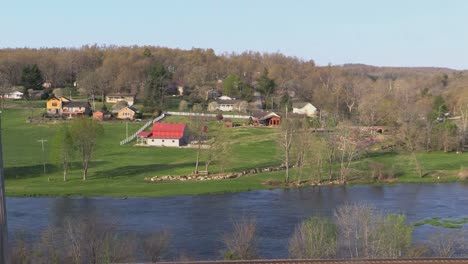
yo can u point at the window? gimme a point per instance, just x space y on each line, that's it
54 104
163 140
173 141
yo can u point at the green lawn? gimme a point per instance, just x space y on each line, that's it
120 170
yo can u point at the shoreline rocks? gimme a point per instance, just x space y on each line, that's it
216 176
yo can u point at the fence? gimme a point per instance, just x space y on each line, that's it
147 124
206 115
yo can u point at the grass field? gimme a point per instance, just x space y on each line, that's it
120 170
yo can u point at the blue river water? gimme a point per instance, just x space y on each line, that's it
197 223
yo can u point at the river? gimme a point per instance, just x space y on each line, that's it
197 223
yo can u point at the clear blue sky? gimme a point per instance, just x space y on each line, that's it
391 32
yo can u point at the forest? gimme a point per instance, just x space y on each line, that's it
427 106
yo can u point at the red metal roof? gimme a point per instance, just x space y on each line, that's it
144 134
168 130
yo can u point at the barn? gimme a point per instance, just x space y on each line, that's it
165 135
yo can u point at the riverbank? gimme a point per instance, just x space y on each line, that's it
42 186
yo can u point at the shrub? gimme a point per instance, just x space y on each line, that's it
314 238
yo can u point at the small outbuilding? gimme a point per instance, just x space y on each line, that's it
13 95
265 119
101 115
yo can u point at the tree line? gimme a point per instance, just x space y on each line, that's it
341 90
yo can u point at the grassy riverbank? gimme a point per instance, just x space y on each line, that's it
120 170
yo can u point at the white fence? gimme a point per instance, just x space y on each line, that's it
207 115
147 124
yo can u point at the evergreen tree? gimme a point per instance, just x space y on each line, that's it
266 85
231 85
31 78
156 84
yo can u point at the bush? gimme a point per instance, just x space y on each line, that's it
380 171
197 108
314 238
463 174
183 106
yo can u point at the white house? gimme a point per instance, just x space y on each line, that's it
14 95
226 103
114 98
305 109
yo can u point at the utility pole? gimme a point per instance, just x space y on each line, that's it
3 213
126 128
43 153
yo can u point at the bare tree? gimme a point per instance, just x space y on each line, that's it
92 240
355 225
302 148
348 149
63 149
85 132
156 245
462 110
364 232
285 141
448 244
198 129
241 243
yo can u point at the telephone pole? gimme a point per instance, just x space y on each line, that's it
43 153
3 213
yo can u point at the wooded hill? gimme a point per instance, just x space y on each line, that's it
346 91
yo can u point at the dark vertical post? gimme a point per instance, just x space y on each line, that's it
3 213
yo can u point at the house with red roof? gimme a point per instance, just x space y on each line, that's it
165 135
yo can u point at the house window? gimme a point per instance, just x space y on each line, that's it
173 141
54 104
163 140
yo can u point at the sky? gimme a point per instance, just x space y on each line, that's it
376 32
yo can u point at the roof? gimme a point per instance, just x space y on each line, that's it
144 134
301 104
129 107
229 102
64 98
224 97
76 104
264 115
168 130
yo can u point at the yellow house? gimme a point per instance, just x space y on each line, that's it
127 112
55 105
